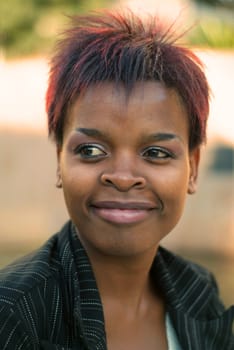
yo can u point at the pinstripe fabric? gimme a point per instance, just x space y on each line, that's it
49 301
172 339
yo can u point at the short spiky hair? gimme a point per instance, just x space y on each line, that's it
121 48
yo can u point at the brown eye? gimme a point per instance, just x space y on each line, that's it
87 151
156 153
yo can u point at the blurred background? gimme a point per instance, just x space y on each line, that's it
31 208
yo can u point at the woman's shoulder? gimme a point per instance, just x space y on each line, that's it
30 272
188 286
177 264
37 299
24 274
193 302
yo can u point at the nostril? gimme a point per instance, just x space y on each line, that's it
122 182
108 181
139 183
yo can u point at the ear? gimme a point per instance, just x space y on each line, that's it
194 159
58 172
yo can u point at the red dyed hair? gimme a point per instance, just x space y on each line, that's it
124 49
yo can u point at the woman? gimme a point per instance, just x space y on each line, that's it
127 109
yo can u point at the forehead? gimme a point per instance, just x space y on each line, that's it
108 102
147 91
140 91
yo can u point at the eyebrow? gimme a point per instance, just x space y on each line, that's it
161 136
91 132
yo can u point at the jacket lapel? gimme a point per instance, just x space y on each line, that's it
201 334
88 309
196 312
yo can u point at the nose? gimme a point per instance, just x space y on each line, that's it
123 178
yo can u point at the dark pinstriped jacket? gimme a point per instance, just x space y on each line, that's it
49 300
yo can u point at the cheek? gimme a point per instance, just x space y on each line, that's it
172 191
78 182
171 186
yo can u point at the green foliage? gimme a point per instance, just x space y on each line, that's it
223 3
214 31
29 26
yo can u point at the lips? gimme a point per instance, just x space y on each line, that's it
123 212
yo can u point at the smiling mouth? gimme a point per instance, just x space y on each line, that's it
123 212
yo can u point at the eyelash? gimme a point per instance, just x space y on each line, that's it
166 153
85 147
91 147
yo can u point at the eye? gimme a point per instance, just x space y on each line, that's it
156 153
89 151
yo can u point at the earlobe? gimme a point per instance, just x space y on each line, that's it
194 165
58 183
192 186
59 179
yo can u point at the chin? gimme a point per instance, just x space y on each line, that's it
125 246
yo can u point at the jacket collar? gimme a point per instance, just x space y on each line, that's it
190 292
87 307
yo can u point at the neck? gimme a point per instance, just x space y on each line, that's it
124 282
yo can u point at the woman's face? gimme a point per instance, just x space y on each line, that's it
126 167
